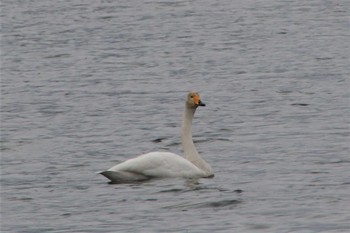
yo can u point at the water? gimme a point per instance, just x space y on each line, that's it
88 84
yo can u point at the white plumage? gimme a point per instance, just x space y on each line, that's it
160 164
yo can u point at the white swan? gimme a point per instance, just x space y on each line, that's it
166 164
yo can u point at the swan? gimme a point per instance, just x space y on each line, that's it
166 164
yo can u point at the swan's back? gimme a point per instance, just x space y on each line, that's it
159 164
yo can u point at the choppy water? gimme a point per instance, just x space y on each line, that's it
88 84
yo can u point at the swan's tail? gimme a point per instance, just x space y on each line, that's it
123 176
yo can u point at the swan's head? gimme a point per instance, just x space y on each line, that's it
194 100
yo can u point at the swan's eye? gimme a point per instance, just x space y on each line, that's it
192 96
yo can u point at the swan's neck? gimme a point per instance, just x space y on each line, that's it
190 150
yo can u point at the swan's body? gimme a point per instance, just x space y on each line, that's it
166 164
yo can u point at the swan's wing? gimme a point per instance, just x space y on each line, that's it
123 177
159 164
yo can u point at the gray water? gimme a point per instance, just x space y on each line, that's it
89 84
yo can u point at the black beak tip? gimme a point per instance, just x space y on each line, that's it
201 104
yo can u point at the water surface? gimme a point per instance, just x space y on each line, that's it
87 84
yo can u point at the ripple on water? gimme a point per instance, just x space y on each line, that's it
225 203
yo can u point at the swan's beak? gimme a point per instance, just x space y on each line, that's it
200 103
197 100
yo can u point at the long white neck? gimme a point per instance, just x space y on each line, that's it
190 150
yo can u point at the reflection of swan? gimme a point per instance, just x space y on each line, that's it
166 164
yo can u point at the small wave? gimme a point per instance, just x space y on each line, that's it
174 190
157 140
222 203
226 203
299 104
